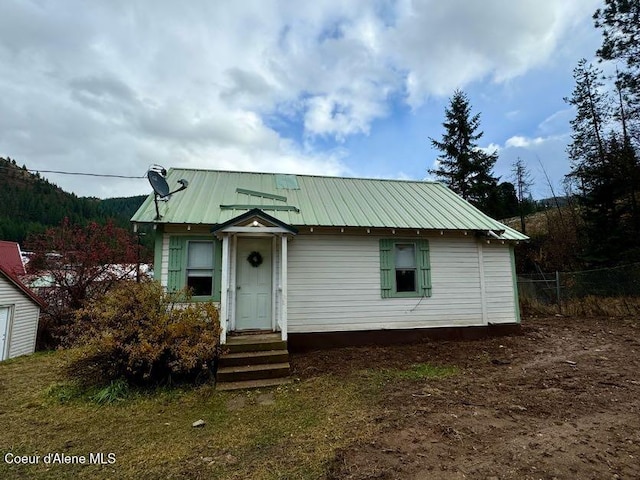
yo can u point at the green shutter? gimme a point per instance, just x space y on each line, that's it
424 268
386 267
175 278
217 269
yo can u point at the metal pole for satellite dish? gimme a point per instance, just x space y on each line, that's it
138 235
155 200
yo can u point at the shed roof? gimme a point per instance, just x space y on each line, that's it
215 197
10 257
12 278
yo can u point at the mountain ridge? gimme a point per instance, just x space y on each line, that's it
29 204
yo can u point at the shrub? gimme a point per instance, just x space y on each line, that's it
81 263
146 336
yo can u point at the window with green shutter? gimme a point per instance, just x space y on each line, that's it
195 263
405 270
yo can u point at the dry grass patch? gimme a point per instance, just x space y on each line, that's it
590 306
293 435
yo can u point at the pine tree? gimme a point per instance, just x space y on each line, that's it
463 166
620 24
587 149
605 167
522 182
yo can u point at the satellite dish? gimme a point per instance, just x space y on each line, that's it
156 176
158 183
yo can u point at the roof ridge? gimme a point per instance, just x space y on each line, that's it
306 175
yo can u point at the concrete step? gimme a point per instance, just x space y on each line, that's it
254 358
252 372
247 384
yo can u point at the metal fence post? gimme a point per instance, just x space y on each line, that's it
558 298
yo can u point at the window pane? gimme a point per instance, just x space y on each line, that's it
200 286
405 280
200 273
200 255
405 255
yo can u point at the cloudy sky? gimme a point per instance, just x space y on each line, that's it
352 88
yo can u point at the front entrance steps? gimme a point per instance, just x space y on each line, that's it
253 361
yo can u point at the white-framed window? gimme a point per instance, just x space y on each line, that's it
200 268
405 269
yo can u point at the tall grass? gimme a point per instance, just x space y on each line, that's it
589 306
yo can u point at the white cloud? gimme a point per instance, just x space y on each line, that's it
445 45
558 121
121 84
491 148
541 154
519 141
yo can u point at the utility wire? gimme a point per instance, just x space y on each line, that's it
30 170
85 174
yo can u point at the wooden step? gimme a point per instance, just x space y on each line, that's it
252 372
254 358
258 337
254 343
247 384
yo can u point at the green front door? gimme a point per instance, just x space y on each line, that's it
253 284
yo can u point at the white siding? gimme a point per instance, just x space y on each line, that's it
164 271
500 296
23 319
334 285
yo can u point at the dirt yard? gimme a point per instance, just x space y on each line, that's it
560 401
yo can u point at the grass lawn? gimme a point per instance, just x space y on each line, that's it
290 432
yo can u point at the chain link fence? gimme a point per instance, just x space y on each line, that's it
574 291
558 286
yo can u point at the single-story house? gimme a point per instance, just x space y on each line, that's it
19 306
310 255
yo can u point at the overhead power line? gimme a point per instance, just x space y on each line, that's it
84 173
107 175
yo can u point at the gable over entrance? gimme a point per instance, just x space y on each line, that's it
254 273
254 221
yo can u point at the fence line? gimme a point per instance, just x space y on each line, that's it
558 287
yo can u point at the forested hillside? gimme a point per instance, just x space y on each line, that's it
30 203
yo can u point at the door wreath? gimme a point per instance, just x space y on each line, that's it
255 259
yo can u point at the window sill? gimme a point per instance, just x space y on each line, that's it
406 295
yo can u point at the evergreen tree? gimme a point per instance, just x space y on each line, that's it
29 204
590 162
522 183
587 150
503 201
463 166
620 24
605 168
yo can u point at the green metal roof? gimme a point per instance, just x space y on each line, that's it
215 197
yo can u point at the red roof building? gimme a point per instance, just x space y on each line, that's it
19 306
11 258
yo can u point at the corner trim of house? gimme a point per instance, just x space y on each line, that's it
483 286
